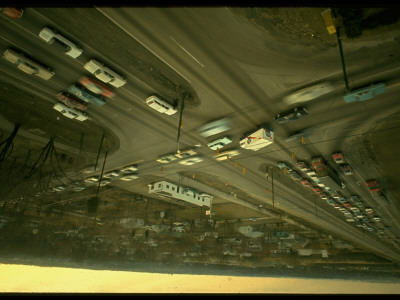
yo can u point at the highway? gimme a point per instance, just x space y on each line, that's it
232 69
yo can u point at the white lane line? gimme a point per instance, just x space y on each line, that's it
130 34
187 52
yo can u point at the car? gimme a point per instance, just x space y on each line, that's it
303 166
317 190
347 169
215 127
70 112
309 93
167 158
324 196
294 175
291 115
354 209
298 135
160 105
128 177
104 73
338 157
347 204
96 87
306 182
369 211
71 101
358 214
27 65
129 169
84 94
12 12
52 37
365 93
111 174
377 219
105 182
283 165
92 179
226 155
342 200
219 143
191 161
330 201
186 153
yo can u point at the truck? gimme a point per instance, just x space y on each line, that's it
374 188
257 139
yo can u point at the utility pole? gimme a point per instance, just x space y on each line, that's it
98 153
342 58
184 94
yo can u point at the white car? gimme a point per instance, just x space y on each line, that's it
191 161
226 154
27 65
92 179
129 169
53 38
111 174
219 143
70 112
308 93
167 158
128 177
160 105
215 127
104 74
186 153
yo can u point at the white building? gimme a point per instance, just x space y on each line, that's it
167 189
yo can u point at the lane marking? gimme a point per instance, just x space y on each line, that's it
187 52
130 34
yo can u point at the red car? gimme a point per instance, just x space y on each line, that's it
306 183
96 87
71 101
12 12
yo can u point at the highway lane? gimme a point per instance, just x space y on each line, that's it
221 85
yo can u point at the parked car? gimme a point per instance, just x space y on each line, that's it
347 169
129 169
160 105
104 73
92 179
338 157
303 166
128 177
53 38
167 158
111 174
215 127
70 101
84 94
219 143
330 201
294 175
308 93
226 155
12 12
186 153
191 161
282 165
291 115
70 112
306 183
96 87
27 65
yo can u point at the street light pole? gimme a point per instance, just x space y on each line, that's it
184 94
342 58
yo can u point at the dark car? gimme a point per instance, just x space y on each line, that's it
291 115
71 101
12 12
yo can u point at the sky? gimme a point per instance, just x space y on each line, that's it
35 279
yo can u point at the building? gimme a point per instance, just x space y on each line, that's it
167 189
